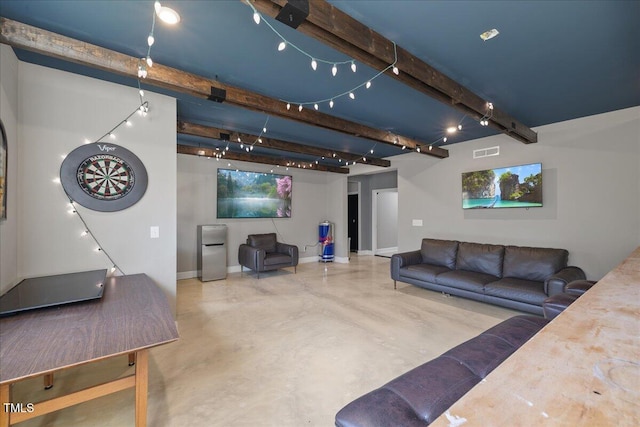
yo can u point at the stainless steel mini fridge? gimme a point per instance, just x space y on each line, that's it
212 252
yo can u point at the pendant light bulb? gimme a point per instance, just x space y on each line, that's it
300 107
149 62
396 71
368 85
331 104
334 70
444 139
150 40
256 18
353 66
315 106
282 46
264 130
352 95
288 106
314 64
459 127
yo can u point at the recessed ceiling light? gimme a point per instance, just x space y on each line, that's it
488 35
166 14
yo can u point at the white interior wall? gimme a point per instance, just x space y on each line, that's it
591 180
315 198
57 112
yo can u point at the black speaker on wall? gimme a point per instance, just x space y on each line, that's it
294 13
217 95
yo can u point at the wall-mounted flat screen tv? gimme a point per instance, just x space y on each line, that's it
509 187
244 194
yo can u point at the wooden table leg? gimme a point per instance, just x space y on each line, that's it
142 383
5 397
48 381
132 359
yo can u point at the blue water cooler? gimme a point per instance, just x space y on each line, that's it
325 233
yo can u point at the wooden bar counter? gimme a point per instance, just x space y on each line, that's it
582 369
132 316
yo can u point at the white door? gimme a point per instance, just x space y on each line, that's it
384 233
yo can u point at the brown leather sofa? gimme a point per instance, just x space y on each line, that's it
263 252
511 276
419 396
556 304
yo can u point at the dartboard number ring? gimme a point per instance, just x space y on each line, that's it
103 177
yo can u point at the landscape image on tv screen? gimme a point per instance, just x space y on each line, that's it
510 187
243 194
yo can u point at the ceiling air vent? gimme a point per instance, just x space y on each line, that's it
486 152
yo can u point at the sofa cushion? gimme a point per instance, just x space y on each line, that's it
277 259
379 408
439 252
533 263
432 387
482 258
467 280
518 329
526 291
263 241
425 272
481 354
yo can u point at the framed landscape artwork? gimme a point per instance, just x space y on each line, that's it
509 187
244 194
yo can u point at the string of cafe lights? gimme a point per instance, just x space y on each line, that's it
171 17
314 61
141 110
258 18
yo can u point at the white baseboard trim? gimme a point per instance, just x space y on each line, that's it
387 250
367 252
186 275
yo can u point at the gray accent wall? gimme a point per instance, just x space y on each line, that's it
591 192
316 197
56 112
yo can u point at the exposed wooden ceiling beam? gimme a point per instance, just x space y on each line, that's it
255 158
342 32
276 144
47 43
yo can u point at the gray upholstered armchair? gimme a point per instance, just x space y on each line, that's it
263 252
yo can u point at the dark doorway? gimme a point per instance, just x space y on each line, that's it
353 222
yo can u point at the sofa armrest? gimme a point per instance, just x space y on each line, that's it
251 257
402 260
555 284
291 250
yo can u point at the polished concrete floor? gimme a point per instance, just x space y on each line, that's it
283 350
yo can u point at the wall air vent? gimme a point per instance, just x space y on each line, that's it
486 152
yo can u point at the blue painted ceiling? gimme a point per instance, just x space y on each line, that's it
552 61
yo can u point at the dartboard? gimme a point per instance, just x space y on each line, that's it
103 177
